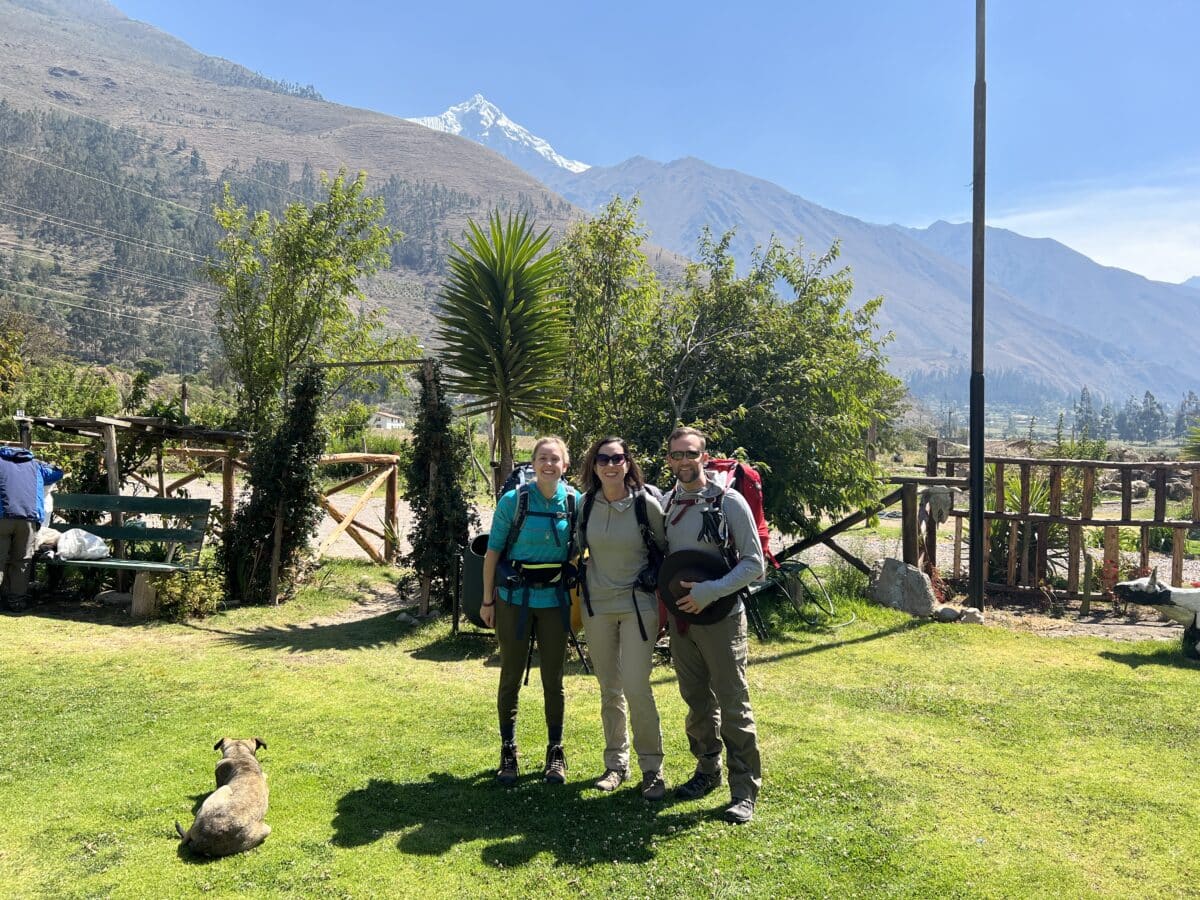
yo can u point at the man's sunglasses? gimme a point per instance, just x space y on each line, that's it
684 454
617 459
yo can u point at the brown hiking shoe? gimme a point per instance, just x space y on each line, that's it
611 779
653 786
555 771
507 774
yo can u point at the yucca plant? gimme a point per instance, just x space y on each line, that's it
503 326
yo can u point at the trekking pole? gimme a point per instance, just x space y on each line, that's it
529 658
579 649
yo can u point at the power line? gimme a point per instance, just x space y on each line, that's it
119 272
43 162
98 231
94 327
107 312
129 132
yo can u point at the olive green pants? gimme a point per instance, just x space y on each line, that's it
514 650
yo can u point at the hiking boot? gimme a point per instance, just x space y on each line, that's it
555 771
740 811
611 779
699 785
653 786
508 771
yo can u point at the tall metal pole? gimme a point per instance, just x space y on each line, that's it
977 235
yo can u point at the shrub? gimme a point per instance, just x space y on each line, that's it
190 595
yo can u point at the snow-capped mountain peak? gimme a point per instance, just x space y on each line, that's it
480 120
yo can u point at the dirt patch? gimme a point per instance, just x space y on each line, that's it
1136 625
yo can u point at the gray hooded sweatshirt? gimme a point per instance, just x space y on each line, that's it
683 517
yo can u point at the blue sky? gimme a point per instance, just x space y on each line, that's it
1093 136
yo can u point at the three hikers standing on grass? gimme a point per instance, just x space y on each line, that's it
625 526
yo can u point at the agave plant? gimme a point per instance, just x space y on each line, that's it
503 326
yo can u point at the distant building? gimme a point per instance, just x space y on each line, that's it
387 420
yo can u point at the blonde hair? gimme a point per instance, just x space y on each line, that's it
557 441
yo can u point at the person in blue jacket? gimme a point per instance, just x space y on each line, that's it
23 479
525 583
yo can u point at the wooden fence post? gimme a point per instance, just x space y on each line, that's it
908 518
431 395
931 456
389 515
1160 494
276 553
227 488
1178 543
1074 545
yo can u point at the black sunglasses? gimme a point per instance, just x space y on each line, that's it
684 454
616 459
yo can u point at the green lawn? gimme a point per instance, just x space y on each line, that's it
901 759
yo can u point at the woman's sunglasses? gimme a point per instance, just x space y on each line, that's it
616 459
684 454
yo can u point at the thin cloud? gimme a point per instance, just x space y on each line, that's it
1151 228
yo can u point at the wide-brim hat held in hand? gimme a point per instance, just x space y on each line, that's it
692 566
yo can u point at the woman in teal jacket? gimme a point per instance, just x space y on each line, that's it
525 590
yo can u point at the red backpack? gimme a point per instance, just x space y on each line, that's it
743 478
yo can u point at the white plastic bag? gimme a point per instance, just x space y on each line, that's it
76 543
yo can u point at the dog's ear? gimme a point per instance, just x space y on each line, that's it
259 743
219 745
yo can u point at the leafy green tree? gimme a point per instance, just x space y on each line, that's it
1188 413
283 496
791 384
503 324
613 295
286 287
440 505
1151 422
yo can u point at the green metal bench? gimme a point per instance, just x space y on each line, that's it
188 538
184 523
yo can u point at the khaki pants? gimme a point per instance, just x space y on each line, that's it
622 661
17 543
710 663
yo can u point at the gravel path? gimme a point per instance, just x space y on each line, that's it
1138 624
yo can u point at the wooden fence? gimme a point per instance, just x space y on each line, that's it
381 470
1068 491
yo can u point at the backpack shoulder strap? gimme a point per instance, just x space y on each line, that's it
643 519
589 500
571 518
518 521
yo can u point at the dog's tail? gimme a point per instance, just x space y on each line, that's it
182 834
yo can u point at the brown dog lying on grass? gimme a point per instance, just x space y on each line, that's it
231 818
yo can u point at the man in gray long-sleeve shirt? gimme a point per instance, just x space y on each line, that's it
710 660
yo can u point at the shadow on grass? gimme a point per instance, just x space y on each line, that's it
469 643
70 609
182 852
1164 655
574 822
479 644
902 628
359 634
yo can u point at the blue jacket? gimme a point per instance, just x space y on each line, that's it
22 482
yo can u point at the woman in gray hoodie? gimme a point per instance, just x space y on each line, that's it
621 528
